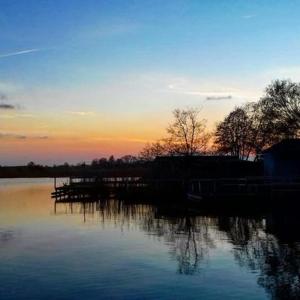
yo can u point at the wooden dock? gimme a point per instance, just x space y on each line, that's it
86 188
252 187
195 189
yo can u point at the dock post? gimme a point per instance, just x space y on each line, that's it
199 187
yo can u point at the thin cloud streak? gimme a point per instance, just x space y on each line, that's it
12 136
7 135
20 52
81 113
249 16
210 98
7 106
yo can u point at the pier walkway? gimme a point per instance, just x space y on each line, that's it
196 189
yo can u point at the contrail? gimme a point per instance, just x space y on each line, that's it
19 52
218 97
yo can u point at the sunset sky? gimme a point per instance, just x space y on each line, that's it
85 79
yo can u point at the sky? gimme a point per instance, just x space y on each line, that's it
81 79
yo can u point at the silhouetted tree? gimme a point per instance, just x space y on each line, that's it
95 162
31 164
232 134
102 161
186 135
111 160
82 164
259 134
150 151
128 159
281 104
251 128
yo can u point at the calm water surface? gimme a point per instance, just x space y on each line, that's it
113 250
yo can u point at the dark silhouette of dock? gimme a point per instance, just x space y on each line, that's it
203 191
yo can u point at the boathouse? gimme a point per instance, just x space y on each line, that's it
282 160
204 166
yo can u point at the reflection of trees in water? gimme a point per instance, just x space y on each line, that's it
192 244
242 233
280 269
278 263
189 238
108 212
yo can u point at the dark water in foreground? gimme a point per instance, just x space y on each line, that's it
112 250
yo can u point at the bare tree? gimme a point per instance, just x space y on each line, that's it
186 135
150 151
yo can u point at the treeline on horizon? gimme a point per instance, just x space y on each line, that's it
68 169
124 165
102 162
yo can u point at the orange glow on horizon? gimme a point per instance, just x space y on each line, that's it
73 138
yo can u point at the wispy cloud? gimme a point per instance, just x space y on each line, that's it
7 106
16 136
219 97
81 113
209 92
12 136
4 105
13 115
248 16
21 52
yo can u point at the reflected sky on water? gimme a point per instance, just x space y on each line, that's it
118 250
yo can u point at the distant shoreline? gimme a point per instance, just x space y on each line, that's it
38 171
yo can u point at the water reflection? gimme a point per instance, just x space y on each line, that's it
188 237
266 245
277 260
126 250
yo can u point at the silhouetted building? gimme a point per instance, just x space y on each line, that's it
202 166
283 159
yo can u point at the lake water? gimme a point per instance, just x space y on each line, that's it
114 250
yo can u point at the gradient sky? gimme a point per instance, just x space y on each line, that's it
85 79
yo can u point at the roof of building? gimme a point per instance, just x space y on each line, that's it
288 146
196 158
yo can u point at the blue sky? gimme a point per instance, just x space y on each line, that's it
84 42
133 60
81 41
